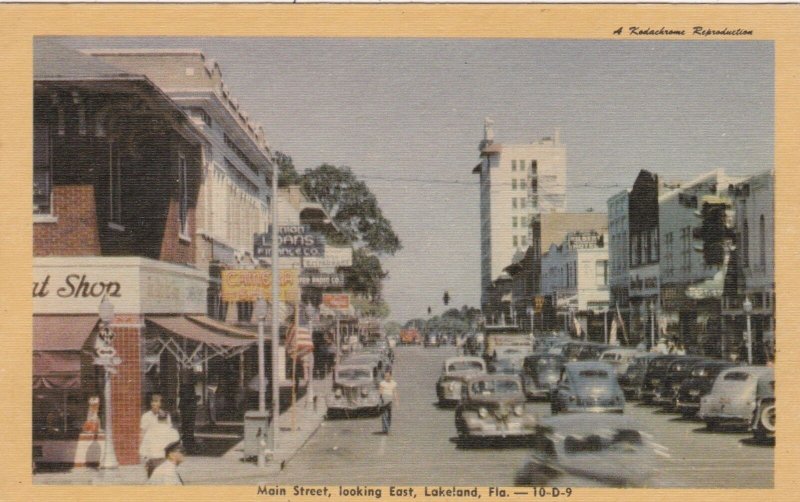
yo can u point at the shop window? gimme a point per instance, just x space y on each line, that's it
244 311
58 414
42 168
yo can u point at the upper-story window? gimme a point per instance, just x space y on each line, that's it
239 153
513 202
202 115
42 168
762 243
514 184
183 194
513 165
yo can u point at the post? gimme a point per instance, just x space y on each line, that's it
276 326
106 356
294 363
652 324
336 342
605 325
748 308
109 455
262 384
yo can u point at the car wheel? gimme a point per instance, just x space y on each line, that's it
766 418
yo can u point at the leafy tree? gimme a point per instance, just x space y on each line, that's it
352 206
369 308
287 173
392 328
365 276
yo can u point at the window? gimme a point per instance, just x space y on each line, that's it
523 222
114 185
514 202
762 243
522 165
183 195
686 249
524 239
514 184
522 202
533 168
522 184
601 272
42 168
515 241
745 244
239 153
514 221
513 165
202 115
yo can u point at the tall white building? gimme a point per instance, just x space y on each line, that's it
618 248
517 182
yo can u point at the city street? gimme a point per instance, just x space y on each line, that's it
421 450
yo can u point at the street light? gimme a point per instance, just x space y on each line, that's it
747 306
260 312
106 311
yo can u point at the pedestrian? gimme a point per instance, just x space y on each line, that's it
150 417
188 409
388 391
211 401
167 473
158 436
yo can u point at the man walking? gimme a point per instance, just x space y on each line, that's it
167 472
156 439
388 391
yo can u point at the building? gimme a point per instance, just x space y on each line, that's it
751 271
690 288
517 181
643 255
575 277
618 252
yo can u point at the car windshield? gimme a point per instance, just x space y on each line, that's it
506 365
464 366
495 387
609 357
354 374
624 440
594 373
737 376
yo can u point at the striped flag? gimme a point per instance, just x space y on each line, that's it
299 341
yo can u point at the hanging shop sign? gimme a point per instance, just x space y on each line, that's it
249 285
293 241
340 302
322 280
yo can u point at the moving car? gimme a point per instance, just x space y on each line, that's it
587 386
619 358
678 370
732 399
455 372
631 381
376 361
540 372
579 350
493 406
354 390
763 424
699 383
581 450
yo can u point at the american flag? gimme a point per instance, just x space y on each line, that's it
299 341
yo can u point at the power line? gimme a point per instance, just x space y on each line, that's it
476 183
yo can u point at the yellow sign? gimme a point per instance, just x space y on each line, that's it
538 303
249 285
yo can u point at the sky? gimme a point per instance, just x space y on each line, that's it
406 115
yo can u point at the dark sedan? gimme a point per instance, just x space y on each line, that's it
654 376
540 372
677 371
631 380
699 383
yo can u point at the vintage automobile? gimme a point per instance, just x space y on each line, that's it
579 350
506 366
655 374
763 424
376 361
540 372
698 384
631 380
354 390
732 399
591 451
587 386
493 406
678 370
456 371
619 359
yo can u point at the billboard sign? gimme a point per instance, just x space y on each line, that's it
293 241
249 285
340 302
322 280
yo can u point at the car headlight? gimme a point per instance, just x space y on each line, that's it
519 410
337 393
364 392
572 398
453 386
483 412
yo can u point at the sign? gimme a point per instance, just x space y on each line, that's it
293 241
249 285
538 303
581 240
334 257
339 302
322 280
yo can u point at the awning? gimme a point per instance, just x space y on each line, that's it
57 344
205 342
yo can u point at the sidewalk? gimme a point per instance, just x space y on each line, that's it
226 469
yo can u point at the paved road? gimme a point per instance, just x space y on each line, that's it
420 449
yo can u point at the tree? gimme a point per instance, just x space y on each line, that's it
287 173
352 207
365 277
369 308
392 328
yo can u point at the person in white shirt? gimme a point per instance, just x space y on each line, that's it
150 416
156 439
167 473
388 392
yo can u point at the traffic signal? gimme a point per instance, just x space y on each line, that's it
713 234
429 310
446 298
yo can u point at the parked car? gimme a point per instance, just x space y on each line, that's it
540 372
579 350
432 340
631 380
544 343
455 372
493 406
619 358
587 386
511 352
699 383
763 424
655 374
354 390
581 450
506 366
678 370
376 361
732 399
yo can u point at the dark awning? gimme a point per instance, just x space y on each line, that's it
193 330
57 344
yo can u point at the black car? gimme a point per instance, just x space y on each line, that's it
631 380
540 372
506 366
699 383
654 376
677 371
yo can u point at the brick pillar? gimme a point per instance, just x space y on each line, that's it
126 395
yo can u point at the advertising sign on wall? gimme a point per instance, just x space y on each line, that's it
339 302
293 241
249 285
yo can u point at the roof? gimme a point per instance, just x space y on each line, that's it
53 61
587 365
